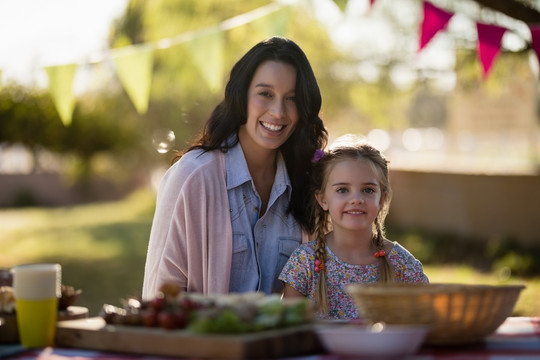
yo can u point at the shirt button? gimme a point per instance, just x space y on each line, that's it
256 209
264 226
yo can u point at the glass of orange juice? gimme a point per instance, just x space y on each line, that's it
37 288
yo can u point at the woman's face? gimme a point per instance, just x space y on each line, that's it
271 107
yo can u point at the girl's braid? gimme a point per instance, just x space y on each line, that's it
321 229
386 271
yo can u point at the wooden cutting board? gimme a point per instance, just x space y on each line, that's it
94 333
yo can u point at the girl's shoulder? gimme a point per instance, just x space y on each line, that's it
305 250
407 267
388 245
397 247
307 247
400 254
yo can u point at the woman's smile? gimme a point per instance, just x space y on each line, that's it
272 127
271 111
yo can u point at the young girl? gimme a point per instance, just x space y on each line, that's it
352 197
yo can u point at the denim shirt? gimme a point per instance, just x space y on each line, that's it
261 246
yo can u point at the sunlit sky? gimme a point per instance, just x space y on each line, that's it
38 33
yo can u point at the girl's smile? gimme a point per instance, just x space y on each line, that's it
352 195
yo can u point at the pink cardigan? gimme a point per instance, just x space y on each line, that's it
191 235
192 203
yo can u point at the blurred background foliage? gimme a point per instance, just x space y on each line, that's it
105 122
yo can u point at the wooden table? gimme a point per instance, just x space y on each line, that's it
517 338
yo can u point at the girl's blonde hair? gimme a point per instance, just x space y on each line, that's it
360 151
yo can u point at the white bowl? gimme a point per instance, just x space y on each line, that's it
361 341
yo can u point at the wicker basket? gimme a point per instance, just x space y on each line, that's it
457 313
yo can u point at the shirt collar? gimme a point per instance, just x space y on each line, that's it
237 170
238 173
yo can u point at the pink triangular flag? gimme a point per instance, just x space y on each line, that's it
489 44
535 39
435 19
371 2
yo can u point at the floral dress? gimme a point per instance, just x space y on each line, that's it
299 273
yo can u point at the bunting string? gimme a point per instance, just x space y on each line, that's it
489 35
134 63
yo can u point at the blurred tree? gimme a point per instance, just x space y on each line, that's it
28 117
104 123
128 29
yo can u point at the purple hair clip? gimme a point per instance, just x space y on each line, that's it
317 156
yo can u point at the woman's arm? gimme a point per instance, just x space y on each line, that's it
192 242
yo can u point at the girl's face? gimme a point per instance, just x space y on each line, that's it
271 108
352 195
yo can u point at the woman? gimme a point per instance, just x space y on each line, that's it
232 209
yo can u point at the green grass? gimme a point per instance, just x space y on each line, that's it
101 247
102 250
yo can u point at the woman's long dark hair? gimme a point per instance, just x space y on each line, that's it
309 135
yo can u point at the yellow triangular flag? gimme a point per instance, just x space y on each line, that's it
134 69
61 89
207 52
275 23
342 4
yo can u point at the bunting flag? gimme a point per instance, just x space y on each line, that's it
134 69
435 20
0 79
342 4
535 39
61 89
207 52
134 64
489 44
